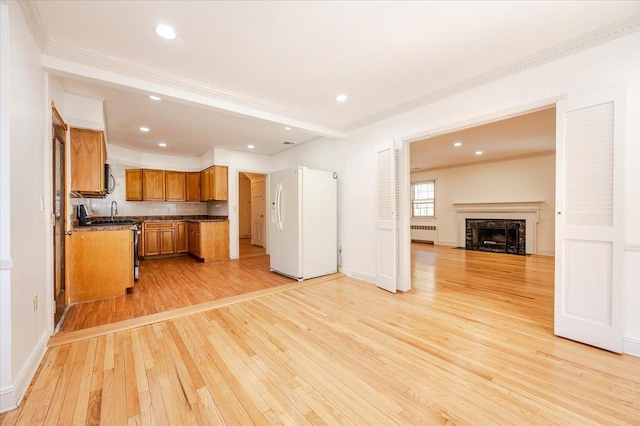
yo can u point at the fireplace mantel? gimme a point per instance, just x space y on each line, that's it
530 207
527 210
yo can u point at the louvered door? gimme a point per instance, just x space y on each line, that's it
588 287
386 205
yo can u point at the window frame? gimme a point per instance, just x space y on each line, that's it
425 201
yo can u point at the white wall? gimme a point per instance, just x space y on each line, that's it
612 64
30 233
136 159
7 394
524 179
84 112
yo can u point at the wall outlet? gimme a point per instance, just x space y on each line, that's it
35 302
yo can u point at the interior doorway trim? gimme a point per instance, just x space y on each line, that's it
266 200
404 261
486 119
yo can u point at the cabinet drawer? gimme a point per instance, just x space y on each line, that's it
194 226
158 225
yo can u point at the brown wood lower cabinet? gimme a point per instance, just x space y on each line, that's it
158 238
194 239
209 241
100 264
165 238
182 237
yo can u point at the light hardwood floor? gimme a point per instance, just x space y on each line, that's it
172 283
471 344
249 250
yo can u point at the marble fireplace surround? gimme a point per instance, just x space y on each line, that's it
520 210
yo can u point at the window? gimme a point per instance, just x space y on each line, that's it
423 198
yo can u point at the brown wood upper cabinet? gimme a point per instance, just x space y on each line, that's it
133 178
175 186
215 183
211 184
193 186
88 156
153 185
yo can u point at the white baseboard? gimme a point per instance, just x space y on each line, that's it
631 346
360 276
546 252
11 396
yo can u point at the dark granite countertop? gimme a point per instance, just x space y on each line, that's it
140 219
115 227
172 218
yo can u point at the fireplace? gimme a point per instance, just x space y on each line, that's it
496 235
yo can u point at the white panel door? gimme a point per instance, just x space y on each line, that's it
589 251
386 244
257 214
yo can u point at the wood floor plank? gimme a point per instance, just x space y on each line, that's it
172 283
471 344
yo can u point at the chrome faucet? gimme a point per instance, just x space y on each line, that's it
113 203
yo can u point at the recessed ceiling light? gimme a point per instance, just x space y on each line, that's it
144 129
287 128
155 98
162 144
478 152
457 144
251 146
341 97
166 32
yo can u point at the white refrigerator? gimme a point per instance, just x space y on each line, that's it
303 223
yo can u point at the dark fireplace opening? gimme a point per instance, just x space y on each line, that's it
496 235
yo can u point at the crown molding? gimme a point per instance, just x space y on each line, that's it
602 35
34 22
85 57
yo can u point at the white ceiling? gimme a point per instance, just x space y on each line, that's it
295 57
523 135
187 130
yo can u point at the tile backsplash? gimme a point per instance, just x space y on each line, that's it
102 206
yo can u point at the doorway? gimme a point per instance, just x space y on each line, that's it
59 129
251 214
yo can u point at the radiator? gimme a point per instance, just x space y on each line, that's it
424 233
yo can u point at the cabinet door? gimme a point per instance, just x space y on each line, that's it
193 186
151 242
220 183
153 185
175 186
87 161
133 182
194 239
182 237
204 185
167 241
